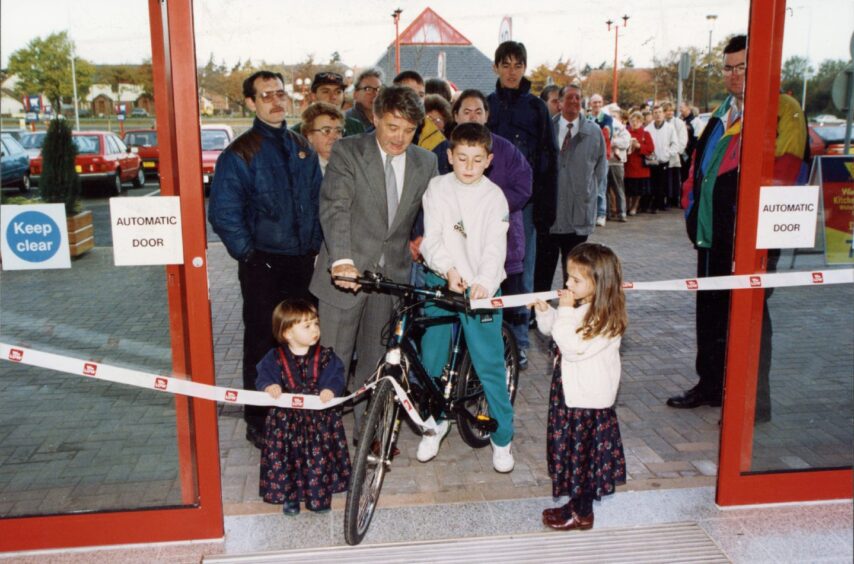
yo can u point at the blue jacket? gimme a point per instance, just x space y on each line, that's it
265 194
523 119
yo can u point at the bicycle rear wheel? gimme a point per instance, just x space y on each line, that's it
371 462
469 390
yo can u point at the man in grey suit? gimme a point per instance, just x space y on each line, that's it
369 199
582 167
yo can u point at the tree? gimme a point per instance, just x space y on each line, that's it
819 87
795 70
44 66
59 182
561 74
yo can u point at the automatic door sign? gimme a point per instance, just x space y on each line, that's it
34 237
787 217
146 231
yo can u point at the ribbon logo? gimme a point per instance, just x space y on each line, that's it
297 401
755 281
627 285
16 355
817 278
497 302
89 369
231 395
160 383
692 284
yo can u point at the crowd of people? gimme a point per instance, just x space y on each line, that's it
482 193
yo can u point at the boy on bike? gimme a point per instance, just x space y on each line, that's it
466 218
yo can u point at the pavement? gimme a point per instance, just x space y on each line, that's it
104 446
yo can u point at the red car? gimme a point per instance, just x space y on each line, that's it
143 142
215 138
103 158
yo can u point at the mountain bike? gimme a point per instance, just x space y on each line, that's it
457 394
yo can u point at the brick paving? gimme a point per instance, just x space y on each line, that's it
67 443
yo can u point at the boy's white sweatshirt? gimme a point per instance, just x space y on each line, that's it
590 368
465 226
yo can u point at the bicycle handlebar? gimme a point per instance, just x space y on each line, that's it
379 283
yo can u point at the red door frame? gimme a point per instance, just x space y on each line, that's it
176 102
764 55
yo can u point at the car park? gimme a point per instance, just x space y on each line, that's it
215 138
143 142
14 163
102 158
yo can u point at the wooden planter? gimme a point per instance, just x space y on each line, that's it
81 233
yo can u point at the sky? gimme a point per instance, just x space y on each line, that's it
287 31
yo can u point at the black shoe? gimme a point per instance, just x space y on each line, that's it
255 436
693 398
290 508
532 323
319 510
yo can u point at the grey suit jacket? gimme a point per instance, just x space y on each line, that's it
354 214
580 170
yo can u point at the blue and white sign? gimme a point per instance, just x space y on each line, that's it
34 237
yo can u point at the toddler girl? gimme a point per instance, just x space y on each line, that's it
305 455
584 449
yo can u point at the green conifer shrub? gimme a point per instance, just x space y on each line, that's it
59 182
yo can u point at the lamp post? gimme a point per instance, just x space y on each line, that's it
396 16
654 73
616 42
711 19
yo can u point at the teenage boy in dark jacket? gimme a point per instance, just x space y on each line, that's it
264 205
523 119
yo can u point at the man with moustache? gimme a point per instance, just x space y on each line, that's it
370 197
264 207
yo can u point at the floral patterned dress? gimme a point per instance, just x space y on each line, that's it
584 449
305 456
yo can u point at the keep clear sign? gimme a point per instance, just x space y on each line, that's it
787 217
34 237
146 231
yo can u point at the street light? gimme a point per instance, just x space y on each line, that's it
711 19
616 41
396 16
654 73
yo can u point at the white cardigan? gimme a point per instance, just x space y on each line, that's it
590 368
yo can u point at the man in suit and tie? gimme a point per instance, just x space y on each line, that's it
582 167
369 199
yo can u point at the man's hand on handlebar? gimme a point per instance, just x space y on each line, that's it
347 271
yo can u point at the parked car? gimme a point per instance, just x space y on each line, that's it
102 158
33 142
834 138
143 142
16 132
139 112
14 163
215 138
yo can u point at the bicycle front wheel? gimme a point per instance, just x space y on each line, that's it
371 462
469 390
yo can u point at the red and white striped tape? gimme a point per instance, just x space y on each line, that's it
177 385
735 282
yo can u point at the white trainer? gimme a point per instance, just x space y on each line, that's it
428 448
600 221
502 458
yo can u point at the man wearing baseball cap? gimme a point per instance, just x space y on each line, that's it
329 87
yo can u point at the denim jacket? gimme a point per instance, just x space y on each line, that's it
265 194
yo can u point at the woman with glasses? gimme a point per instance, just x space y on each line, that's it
323 125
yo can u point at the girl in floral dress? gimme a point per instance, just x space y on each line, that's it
305 455
584 448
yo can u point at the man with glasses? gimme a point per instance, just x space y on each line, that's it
329 87
368 85
264 207
709 197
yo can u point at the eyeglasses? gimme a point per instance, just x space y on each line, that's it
268 96
328 130
369 89
737 69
